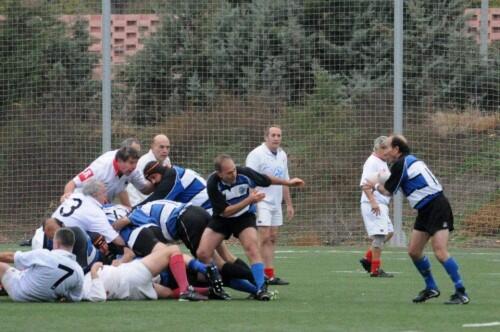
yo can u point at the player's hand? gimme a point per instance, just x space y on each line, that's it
296 182
368 185
94 269
256 196
290 212
64 197
375 208
116 262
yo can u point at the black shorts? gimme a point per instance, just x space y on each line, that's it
146 240
80 246
435 216
234 226
190 227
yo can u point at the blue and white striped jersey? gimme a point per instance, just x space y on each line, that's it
223 194
163 213
182 185
414 178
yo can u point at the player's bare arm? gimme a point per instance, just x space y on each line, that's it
369 185
290 212
121 223
295 182
7 257
373 202
68 190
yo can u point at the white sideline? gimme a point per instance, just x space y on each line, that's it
482 324
315 251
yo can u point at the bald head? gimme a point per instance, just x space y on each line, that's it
160 147
51 226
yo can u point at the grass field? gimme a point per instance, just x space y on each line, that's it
328 292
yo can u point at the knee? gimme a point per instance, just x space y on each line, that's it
441 255
414 254
203 254
252 251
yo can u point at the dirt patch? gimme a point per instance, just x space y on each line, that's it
485 221
447 124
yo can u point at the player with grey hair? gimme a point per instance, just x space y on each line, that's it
131 142
41 275
84 209
375 209
434 220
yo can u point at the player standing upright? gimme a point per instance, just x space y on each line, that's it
270 159
375 210
434 220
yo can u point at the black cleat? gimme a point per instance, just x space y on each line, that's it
216 291
263 295
458 298
191 295
277 281
218 295
366 264
381 274
25 243
426 294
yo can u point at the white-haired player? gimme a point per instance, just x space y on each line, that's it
43 275
375 209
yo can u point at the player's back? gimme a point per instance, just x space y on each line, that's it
189 187
48 276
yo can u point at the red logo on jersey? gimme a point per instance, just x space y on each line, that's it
86 174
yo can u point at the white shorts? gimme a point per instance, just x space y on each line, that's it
11 282
138 279
267 215
376 225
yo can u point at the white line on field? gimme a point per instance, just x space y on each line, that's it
387 252
359 271
482 324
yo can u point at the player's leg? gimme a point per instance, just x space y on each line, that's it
380 229
439 243
210 240
418 240
249 240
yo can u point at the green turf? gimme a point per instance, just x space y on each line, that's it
328 292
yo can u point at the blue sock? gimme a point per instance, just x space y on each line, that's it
424 267
197 266
243 285
451 267
258 274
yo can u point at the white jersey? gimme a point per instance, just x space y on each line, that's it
128 281
262 160
44 275
374 165
79 210
104 169
135 195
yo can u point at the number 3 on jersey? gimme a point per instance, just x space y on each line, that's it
76 204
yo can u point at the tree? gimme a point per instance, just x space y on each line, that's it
40 59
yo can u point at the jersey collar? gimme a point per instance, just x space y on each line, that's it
117 170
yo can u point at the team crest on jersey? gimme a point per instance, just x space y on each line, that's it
86 174
242 190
